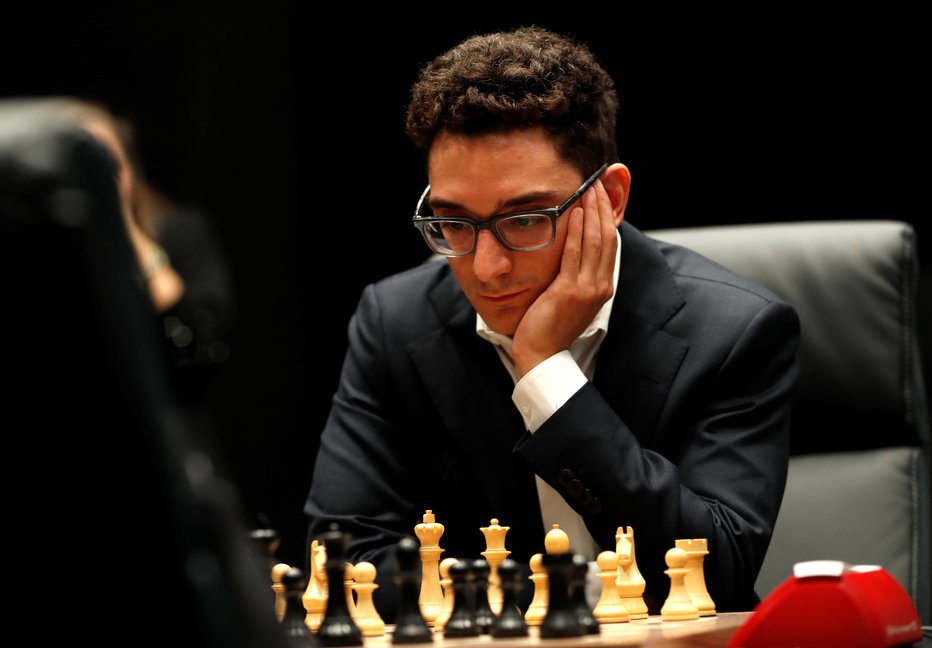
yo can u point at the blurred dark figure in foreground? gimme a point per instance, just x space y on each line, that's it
200 324
187 273
126 533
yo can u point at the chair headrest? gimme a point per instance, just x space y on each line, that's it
853 284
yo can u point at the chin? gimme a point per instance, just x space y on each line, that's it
503 325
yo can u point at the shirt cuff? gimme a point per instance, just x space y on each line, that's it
545 388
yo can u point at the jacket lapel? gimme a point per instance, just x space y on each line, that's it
638 360
472 392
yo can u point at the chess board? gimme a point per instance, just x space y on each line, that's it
710 632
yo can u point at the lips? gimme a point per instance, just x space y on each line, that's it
501 299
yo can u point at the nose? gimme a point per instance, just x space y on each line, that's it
490 259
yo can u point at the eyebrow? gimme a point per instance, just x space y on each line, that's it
524 199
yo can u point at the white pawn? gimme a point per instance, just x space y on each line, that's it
447 583
679 605
367 618
537 610
278 571
610 608
348 588
696 550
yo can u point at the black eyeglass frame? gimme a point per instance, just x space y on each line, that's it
420 222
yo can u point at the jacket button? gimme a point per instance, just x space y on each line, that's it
574 488
565 476
594 507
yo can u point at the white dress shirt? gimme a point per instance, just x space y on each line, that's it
543 390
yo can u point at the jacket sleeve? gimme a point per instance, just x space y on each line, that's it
719 475
360 481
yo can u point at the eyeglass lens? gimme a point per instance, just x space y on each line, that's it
521 232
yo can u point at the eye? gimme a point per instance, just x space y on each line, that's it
454 227
524 221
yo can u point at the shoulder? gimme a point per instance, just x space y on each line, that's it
688 293
698 274
416 301
722 306
420 277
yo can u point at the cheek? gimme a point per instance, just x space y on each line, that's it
462 269
547 266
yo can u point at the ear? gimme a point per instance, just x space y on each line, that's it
617 183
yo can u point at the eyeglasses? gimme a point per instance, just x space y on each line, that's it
523 231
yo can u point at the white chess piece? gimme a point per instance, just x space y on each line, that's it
367 618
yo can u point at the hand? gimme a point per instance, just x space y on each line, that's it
581 287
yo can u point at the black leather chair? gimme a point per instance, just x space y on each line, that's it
858 487
121 531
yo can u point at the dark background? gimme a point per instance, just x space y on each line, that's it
285 124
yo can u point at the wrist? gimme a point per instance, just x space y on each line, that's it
155 260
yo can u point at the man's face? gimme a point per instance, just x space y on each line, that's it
483 176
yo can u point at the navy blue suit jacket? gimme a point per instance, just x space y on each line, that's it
683 432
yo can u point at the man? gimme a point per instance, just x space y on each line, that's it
558 366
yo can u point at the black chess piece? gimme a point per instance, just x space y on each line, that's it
578 593
410 626
562 618
462 621
509 622
484 615
296 630
265 542
337 627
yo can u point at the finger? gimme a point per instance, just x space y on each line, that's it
572 248
609 232
593 243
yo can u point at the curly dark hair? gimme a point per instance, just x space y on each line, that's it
517 79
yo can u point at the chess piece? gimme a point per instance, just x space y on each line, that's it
265 542
296 631
578 595
495 553
366 617
562 619
431 595
609 609
537 610
696 550
279 570
315 596
410 627
484 616
509 622
348 588
630 583
678 606
462 621
556 541
337 627
447 583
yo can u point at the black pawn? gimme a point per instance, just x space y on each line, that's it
337 627
562 618
578 594
462 621
296 630
411 626
510 622
484 615
265 542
